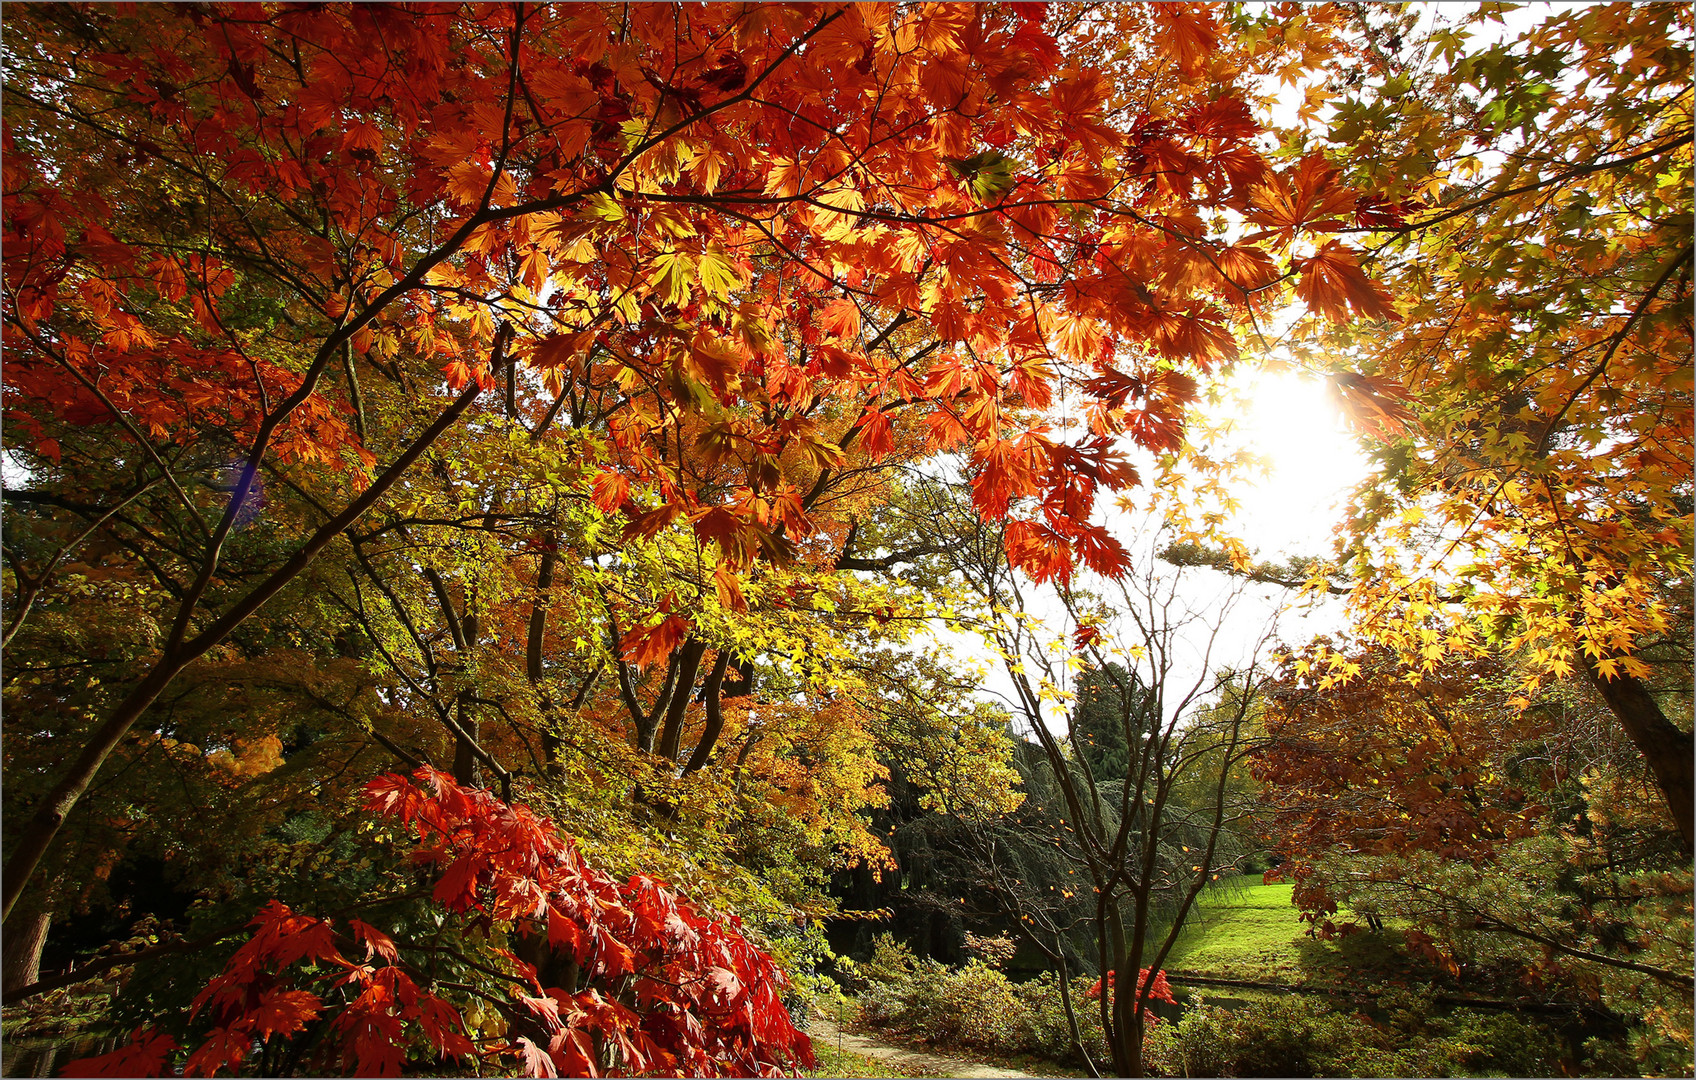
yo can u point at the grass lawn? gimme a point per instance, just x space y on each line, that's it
1253 932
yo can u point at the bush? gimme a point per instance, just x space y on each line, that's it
890 962
1046 1032
977 1007
971 1006
1274 1038
974 1006
1296 1037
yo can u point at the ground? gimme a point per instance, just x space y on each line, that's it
850 1053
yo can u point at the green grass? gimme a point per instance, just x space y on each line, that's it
1253 932
1231 933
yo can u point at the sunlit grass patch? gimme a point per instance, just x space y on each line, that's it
1253 932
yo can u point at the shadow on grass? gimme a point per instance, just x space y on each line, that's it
1254 933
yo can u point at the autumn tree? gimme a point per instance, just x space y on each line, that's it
1534 494
1144 844
718 261
1396 760
539 364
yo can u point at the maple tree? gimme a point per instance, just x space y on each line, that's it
1534 494
638 979
1524 846
718 262
1393 761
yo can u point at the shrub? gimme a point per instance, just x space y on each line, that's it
1296 1037
974 1006
891 961
970 1006
1274 1038
1046 1032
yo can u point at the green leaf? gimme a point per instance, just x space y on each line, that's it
988 175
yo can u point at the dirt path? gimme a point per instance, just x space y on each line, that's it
825 1031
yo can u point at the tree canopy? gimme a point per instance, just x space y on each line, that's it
482 483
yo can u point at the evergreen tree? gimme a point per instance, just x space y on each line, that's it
1111 701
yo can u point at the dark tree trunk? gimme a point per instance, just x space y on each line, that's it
689 663
710 695
465 769
533 655
1666 749
22 951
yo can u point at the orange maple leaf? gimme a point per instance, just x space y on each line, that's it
841 319
1313 198
1190 34
1332 282
653 644
1373 405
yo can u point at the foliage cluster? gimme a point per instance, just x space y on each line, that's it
1293 1036
1523 850
610 976
976 1007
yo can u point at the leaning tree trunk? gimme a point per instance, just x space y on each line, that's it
38 833
21 962
1666 749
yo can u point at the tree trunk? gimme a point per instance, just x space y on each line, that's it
715 714
465 771
533 655
689 663
38 833
1666 748
21 965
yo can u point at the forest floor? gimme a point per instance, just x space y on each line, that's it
830 1040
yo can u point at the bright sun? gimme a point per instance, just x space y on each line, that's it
1312 458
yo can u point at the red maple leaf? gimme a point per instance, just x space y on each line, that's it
375 941
1332 282
536 1060
144 1055
224 1048
284 1011
653 644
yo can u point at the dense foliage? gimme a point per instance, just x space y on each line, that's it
1299 1037
611 416
626 977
